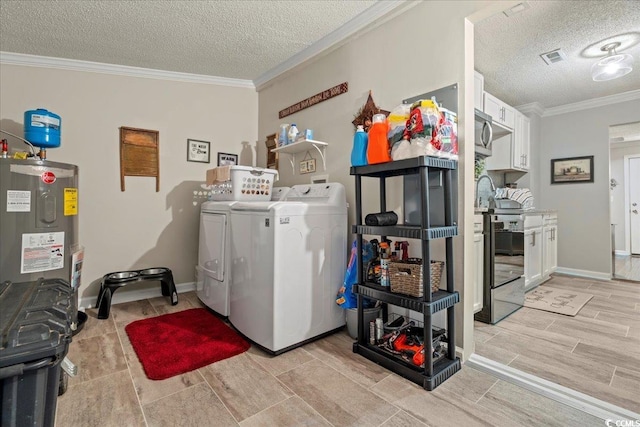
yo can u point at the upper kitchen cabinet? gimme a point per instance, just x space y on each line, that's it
478 91
511 151
501 113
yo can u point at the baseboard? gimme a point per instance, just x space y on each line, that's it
584 273
128 295
622 252
575 399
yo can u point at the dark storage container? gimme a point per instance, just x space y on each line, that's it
35 326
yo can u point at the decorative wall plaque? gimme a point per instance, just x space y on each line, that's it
139 154
315 99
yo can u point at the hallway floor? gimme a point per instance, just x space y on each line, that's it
628 267
321 384
597 352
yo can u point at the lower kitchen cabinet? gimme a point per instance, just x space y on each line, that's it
533 243
550 246
478 250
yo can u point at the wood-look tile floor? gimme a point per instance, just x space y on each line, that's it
597 352
627 267
320 384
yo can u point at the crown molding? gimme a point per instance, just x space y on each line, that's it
119 70
534 107
593 103
382 8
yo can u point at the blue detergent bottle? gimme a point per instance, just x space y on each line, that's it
359 149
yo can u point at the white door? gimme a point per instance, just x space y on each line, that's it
634 204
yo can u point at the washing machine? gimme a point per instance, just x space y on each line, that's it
288 263
213 269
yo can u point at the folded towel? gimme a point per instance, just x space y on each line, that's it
520 195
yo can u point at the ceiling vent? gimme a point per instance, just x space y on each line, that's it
520 7
553 56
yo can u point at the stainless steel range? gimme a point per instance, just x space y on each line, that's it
503 266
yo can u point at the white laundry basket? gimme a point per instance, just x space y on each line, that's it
247 183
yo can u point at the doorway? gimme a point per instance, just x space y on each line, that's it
624 171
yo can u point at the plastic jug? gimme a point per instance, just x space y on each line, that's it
359 149
283 139
293 133
378 146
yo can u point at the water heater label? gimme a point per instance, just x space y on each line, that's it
42 252
18 201
70 201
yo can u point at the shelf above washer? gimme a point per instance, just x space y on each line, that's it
303 146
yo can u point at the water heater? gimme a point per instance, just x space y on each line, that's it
38 219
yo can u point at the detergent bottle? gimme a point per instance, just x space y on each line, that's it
378 147
359 149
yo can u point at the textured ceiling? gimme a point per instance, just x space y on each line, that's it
507 50
624 133
237 39
244 39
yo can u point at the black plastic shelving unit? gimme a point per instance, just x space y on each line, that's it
433 373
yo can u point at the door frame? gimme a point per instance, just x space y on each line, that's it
627 215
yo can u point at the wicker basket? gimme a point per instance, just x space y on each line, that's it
406 276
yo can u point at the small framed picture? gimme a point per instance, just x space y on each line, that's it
572 170
198 151
226 159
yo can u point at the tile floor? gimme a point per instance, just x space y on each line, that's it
627 267
597 352
320 384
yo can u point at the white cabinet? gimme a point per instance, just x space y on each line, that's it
478 91
511 151
500 112
478 249
533 243
550 246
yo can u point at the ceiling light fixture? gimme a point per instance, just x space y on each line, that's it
613 65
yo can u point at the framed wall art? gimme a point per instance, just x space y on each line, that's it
226 159
198 151
572 170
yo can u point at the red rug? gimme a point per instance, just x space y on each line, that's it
176 343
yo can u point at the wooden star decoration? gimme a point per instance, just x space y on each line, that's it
365 114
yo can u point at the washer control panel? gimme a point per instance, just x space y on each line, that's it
325 193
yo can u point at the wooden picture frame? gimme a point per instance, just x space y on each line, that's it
572 170
139 154
198 151
227 159
272 157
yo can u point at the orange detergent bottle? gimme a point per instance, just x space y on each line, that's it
378 147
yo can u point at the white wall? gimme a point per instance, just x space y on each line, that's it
618 193
394 65
137 228
584 235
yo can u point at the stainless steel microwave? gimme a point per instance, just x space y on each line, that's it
483 134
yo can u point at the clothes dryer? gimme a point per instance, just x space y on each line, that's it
288 262
213 269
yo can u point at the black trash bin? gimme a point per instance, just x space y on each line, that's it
35 326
